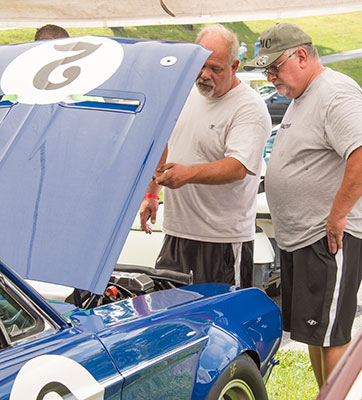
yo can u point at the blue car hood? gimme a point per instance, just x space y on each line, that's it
83 124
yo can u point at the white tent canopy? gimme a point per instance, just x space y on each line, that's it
112 13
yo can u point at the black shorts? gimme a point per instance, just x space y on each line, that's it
209 262
319 292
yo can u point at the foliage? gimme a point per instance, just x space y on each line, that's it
293 378
330 33
8 36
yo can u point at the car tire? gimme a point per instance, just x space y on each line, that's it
241 380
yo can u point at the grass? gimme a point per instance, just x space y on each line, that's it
330 34
293 378
352 68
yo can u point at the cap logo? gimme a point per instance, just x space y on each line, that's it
262 60
266 43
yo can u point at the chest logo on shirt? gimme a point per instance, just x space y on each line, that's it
285 126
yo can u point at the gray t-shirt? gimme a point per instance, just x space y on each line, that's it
319 131
209 129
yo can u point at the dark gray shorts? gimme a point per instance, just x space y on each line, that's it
209 262
319 292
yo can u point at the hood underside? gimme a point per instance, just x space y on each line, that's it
83 123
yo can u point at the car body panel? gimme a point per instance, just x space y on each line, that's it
196 321
185 336
70 195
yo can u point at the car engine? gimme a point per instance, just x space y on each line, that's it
129 281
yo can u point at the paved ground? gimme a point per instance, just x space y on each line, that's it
288 344
345 55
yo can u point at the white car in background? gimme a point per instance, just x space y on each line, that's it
255 79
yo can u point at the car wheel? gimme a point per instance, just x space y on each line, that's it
240 380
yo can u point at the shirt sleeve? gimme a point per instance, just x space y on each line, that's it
247 135
343 122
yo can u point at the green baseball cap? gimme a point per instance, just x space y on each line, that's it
273 43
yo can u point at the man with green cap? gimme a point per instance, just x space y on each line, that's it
314 189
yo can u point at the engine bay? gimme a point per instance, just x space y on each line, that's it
129 281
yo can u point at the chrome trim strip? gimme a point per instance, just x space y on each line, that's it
162 357
109 100
109 382
5 333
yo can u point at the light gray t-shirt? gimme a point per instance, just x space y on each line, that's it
209 129
319 131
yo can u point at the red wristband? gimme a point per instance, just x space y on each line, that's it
151 196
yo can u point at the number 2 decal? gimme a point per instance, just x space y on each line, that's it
53 71
41 79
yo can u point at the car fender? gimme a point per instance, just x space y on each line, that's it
220 350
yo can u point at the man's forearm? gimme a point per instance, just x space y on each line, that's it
347 196
220 172
153 186
217 172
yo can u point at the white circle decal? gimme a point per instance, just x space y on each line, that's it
55 377
54 71
168 61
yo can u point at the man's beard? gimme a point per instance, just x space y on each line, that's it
282 90
207 92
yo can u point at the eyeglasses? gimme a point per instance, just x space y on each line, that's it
274 70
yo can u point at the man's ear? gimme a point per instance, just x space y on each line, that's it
302 56
235 66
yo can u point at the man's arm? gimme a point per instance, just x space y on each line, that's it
149 206
347 196
218 172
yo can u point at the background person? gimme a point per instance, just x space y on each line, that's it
256 46
243 53
49 31
210 171
314 188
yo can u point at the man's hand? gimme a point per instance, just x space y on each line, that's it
218 172
173 175
335 228
148 209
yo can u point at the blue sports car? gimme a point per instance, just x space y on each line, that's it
83 123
